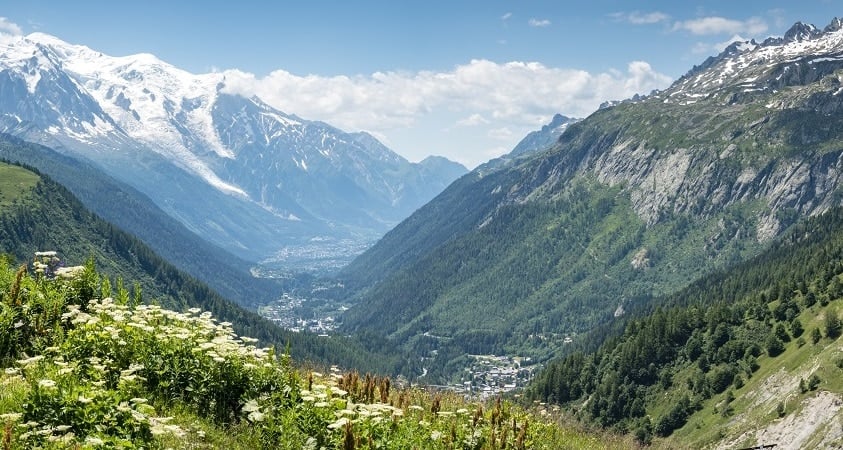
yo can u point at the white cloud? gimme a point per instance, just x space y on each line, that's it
472 121
538 23
501 134
640 18
9 27
721 25
481 96
506 16
9 31
704 48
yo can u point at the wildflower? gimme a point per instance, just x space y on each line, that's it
94 441
65 370
12 371
436 435
28 361
10 417
344 412
251 405
339 392
255 416
338 424
62 428
84 400
47 383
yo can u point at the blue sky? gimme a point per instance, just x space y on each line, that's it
463 79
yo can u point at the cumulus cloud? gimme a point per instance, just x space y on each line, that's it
640 18
9 31
721 25
481 95
704 48
482 87
501 134
8 27
472 121
539 23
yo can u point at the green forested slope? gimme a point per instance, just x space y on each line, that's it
41 215
714 346
132 211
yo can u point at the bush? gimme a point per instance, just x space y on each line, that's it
674 418
774 345
815 336
832 324
796 328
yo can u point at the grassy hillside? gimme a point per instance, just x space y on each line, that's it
132 211
41 215
739 358
84 370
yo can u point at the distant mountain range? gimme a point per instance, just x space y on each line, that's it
634 201
256 181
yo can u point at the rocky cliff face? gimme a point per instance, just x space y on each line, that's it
757 123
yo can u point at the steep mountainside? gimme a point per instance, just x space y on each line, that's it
638 199
741 358
132 211
37 214
545 137
234 170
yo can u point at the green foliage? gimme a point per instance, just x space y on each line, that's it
702 340
815 336
832 324
796 327
107 374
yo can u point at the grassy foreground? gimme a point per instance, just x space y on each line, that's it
82 366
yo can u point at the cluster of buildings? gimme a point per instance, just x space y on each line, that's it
491 375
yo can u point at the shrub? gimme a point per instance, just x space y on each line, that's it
774 345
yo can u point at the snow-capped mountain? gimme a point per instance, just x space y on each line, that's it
803 55
235 170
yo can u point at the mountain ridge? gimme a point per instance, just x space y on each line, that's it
165 131
634 201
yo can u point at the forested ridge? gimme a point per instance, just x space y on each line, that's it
710 338
132 211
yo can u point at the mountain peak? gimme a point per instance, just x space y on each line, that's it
803 55
835 25
801 32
